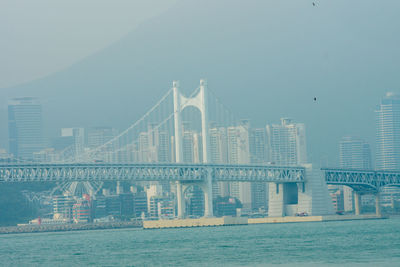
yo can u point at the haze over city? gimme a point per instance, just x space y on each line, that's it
259 117
276 55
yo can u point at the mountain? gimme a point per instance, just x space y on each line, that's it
265 59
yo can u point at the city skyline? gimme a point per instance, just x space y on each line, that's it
25 127
176 137
50 141
282 144
88 138
111 94
199 133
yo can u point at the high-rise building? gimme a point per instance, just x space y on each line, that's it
218 145
154 194
191 147
113 205
166 208
139 203
145 147
258 143
219 155
98 136
163 154
78 137
258 155
388 142
25 127
82 211
239 153
163 147
62 207
159 204
238 144
100 209
127 204
388 133
286 146
355 153
70 144
46 155
287 143
153 146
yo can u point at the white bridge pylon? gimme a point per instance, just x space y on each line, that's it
198 101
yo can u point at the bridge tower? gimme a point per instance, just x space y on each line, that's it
198 101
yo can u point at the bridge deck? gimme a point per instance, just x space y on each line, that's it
362 180
148 172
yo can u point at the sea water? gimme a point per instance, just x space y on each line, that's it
348 243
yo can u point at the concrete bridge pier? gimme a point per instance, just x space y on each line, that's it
309 197
377 204
276 201
180 199
357 203
206 187
207 190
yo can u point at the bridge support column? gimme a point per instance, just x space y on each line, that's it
180 199
275 200
119 188
357 203
207 189
378 205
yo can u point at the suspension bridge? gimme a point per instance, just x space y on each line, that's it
187 140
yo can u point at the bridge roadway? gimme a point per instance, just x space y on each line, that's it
363 182
149 172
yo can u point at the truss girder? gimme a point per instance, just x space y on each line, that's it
259 174
148 172
368 180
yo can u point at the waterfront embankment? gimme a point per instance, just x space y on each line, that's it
293 219
225 221
182 223
67 227
200 222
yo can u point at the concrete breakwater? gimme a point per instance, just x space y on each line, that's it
200 222
225 221
67 227
181 223
327 218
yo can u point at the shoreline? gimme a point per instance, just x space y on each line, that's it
228 221
182 223
67 227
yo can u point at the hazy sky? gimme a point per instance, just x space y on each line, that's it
43 36
266 59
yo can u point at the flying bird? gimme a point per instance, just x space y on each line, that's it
315 99
313 3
